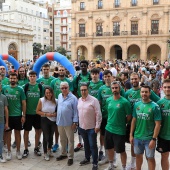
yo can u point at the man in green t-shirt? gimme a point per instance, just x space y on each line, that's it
133 96
55 84
163 145
5 80
83 77
17 110
145 127
33 92
95 83
115 133
46 79
22 76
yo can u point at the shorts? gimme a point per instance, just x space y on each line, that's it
32 121
15 123
114 141
102 127
143 145
163 145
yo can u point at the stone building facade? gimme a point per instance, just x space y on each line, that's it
120 29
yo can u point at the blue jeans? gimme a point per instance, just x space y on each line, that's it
90 144
1 136
143 145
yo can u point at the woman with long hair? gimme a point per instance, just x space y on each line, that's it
46 108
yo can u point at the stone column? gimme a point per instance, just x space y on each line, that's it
89 25
124 50
90 51
107 51
164 51
143 50
73 51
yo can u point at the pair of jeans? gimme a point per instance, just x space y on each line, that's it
48 128
90 144
1 136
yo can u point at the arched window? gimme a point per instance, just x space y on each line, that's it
58 13
65 13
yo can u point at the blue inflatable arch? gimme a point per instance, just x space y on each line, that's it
53 56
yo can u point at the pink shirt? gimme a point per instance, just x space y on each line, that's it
89 112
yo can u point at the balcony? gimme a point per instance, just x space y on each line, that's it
99 6
155 2
64 41
81 34
64 24
82 8
155 31
64 32
133 3
134 32
116 5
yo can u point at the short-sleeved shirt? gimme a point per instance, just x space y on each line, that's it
3 103
164 105
146 114
118 110
33 94
23 82
15 96
55 84
94 88
45 81
80 79
5 81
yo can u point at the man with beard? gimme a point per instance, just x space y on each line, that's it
46 79
55 84
133 96
163 145
145 128
115 133
5 80
83 77
17 109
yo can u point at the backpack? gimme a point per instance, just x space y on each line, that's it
39 86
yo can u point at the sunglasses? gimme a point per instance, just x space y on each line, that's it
64 88
83 90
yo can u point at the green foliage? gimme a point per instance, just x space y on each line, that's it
61 50
37 48
47 49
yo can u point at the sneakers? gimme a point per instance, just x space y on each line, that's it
103 161
115 164
18 155
109 168
55 147
26 153
5 148
79 146
39 144
95 167
131 166
46 157
14 145
37 151
29 143
50 153
8 156
84 162
2 160
101 155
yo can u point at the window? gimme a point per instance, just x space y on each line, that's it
155 2
46 23
134 2
117 3
51 34
21 8
81 30
134 28
65 13
99 29
100 4
58 13
26 9
116 28
154 26
39 29
82 6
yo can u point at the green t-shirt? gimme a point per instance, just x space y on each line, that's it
80 79
94 88
33 95
146 114
5 81
45 81
164 105
15 96
3 103
134 96
22 82
55 84
117 113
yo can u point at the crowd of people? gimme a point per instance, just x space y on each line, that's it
122 101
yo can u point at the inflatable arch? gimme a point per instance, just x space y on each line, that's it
11 59
2 63
53 56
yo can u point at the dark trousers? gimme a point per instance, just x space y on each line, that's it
48 128
90 144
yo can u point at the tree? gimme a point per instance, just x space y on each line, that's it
61 50
47 49
37 48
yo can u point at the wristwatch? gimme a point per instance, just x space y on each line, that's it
154 139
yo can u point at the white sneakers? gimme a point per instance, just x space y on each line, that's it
2 160
109 168
18 155
46 157
50 153
103 161
8 156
